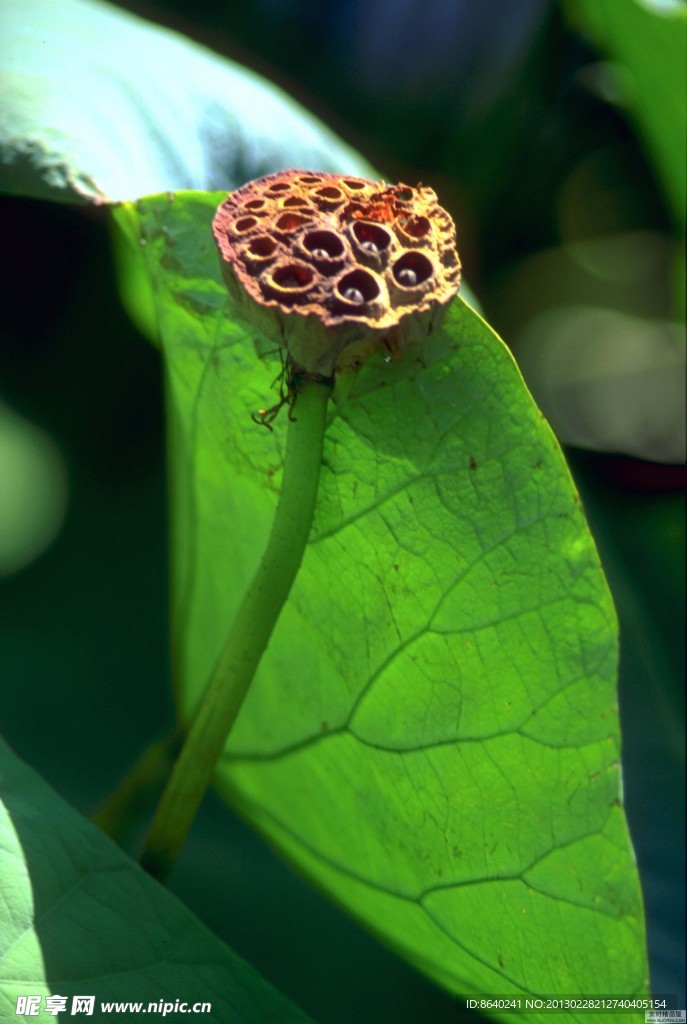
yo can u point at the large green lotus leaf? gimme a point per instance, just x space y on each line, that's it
432 735
647 42
98 105
78 917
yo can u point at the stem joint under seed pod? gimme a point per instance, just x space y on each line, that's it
290 381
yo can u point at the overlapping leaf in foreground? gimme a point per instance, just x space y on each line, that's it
432 735
78 917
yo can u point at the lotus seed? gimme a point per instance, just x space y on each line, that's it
369 246
320 254
354 295
407 277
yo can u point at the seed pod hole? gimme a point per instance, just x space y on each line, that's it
292 276
290 221
295 201
416 227
255 206
278 187
309 179
331 194
354 184
244 224
323 244
263 246
358 286
372 238
412 269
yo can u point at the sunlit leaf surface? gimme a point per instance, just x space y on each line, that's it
78 917
432 735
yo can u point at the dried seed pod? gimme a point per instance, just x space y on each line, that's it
332 266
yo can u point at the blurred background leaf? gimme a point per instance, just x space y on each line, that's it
98 105
30 459
646 41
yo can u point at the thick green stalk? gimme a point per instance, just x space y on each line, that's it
248 636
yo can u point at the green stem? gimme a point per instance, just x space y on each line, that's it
249 634
134 799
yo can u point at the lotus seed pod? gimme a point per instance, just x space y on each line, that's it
332 267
